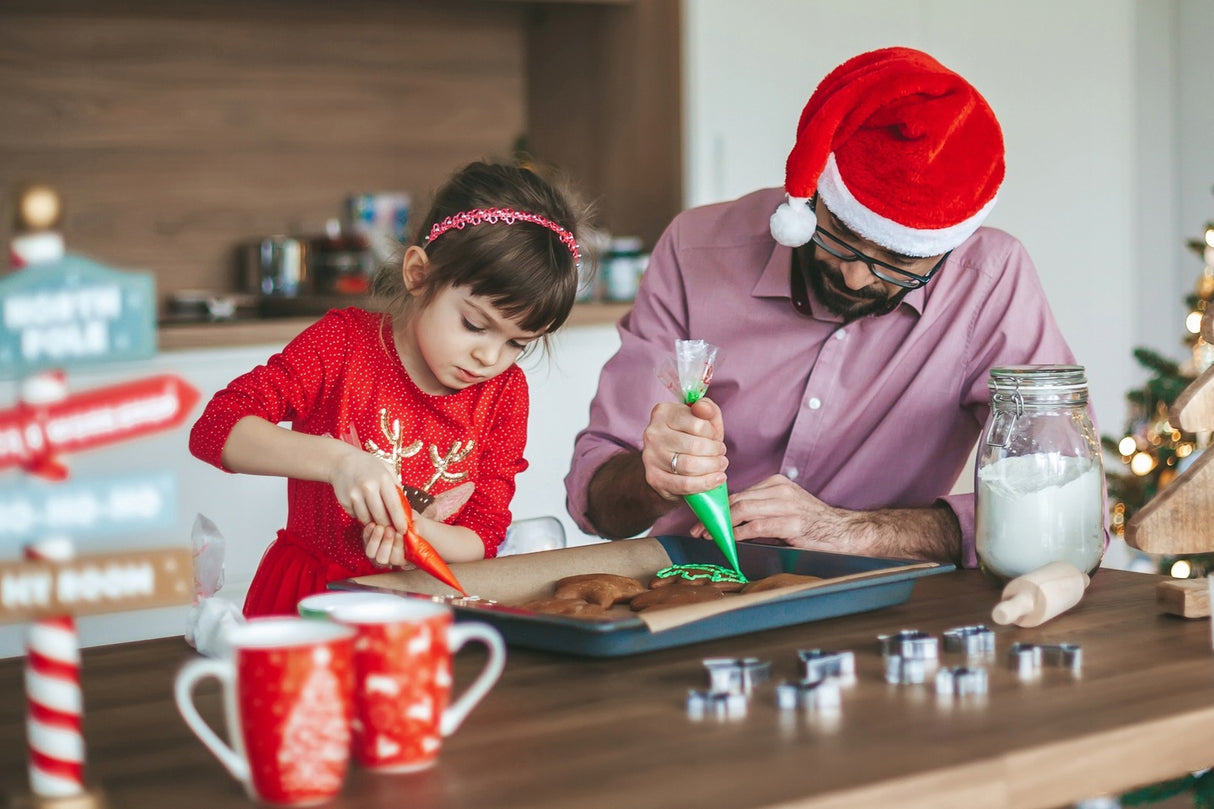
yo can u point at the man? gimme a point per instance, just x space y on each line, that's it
857 312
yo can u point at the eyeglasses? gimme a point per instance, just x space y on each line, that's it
897 276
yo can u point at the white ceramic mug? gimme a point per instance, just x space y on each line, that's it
402 665
288 703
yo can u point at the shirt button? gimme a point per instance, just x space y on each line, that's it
841 334
792 473
814 403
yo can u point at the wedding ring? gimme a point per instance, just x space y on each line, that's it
674 463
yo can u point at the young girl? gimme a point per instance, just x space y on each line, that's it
424 396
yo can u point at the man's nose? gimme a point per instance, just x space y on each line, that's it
856 274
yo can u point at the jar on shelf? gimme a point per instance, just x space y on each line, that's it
340 262
621 269
1039 480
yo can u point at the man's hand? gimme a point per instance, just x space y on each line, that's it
683 448
777 508
780 509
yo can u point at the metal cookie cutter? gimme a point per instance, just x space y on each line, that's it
973 640
718 705
910 643
819 664
961 681
809 694
736 675
901 670
1028 658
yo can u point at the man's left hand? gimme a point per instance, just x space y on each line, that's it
780 509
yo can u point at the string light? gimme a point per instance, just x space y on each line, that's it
1181 569
1142 463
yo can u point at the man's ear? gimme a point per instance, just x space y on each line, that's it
414 268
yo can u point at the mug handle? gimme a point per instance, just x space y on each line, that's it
183 691
457 635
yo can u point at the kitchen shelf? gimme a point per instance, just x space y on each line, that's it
280 331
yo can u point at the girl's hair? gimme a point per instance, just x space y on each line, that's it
523 268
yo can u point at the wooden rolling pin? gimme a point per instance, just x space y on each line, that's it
1036 597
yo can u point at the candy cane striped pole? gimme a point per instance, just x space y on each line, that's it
54 705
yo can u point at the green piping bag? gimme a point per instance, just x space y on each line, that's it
694 360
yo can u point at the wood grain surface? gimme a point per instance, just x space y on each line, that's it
561 731
178 132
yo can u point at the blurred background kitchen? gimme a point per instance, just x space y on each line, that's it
259 157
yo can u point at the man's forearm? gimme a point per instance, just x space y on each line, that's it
917 533
620 503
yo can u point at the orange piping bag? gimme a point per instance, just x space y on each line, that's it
422 553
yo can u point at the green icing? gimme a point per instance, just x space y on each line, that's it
697 572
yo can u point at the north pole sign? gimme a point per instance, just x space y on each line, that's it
73 311
29 434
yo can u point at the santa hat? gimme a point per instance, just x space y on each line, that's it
901 149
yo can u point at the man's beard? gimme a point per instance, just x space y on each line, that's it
832 291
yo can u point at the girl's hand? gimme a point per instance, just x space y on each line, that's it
384 546
367 490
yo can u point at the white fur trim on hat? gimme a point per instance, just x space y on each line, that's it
794 222
889 234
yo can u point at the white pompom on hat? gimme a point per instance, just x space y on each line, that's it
901 149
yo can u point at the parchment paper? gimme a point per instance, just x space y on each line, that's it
512 580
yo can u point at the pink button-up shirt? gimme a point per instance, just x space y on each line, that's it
882 412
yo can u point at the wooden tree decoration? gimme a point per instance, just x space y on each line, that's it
1180 519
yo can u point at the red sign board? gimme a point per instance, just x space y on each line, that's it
31 435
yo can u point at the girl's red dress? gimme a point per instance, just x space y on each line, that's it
342 377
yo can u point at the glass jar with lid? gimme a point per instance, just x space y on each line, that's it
1039 480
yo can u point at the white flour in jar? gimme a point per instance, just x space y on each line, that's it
1037 509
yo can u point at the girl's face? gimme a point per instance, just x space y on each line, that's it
458 340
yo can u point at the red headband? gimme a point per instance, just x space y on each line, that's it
507 216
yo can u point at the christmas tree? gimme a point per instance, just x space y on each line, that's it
1152 451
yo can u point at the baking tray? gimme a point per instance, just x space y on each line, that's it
864 583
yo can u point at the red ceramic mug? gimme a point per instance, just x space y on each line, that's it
288 703
402 664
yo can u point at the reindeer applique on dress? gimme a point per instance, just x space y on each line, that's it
395 451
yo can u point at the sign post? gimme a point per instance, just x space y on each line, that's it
61 311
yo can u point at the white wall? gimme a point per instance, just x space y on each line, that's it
1060 77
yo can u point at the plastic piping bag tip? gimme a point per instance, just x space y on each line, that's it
712 507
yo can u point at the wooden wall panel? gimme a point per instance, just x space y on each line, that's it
604 102
176 130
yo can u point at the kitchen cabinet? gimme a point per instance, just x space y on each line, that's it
177 132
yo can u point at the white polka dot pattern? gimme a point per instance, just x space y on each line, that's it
341 372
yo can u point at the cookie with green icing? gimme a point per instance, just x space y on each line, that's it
717 577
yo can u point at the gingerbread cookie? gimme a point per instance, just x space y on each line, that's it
720 578
602 589
778 580
564 606
674 595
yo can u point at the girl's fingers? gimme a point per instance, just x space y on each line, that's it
396 516
372 539
383 552
397 557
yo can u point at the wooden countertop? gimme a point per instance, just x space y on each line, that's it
280 330
561 731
